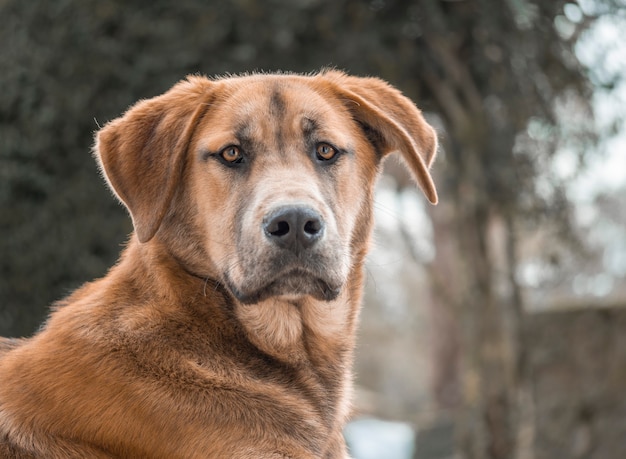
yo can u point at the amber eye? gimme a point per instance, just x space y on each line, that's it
232 154
325 152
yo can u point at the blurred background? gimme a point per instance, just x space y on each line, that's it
494 324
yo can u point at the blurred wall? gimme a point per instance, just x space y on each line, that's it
576 364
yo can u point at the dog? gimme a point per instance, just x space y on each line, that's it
227 327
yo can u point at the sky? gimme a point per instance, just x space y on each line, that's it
603 49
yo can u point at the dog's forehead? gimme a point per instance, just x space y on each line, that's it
274 92
261 105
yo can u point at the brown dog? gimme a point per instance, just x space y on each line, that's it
227 328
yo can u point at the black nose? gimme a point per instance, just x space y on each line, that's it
293 227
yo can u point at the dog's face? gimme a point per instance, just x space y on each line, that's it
264 182
286 173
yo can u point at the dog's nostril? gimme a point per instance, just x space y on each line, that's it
312 227
279 229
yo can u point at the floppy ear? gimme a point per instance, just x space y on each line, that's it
142 153
392 123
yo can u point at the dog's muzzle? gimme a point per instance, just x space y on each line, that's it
295 258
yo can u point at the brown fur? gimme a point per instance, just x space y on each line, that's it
206 340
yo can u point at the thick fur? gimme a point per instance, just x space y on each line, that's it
207 340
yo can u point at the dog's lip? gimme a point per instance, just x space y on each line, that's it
316 286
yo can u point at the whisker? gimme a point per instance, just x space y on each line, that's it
206 281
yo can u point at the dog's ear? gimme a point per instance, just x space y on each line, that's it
392 122
141 154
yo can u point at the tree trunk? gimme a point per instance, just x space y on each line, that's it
486 431
465 279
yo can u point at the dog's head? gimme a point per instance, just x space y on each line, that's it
264 182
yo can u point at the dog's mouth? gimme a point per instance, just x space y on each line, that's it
296 282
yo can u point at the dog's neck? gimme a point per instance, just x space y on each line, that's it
300 328
294 328
316 338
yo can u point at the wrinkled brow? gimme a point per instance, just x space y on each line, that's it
309 126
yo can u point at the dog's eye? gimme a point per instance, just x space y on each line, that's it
232 154
325 152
